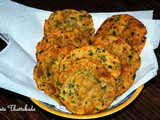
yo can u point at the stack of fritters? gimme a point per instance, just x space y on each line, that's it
124 36
126 27
86 71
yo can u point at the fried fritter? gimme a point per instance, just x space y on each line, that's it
41 71
86 87
62 38
134 34
129 59
110 61
126 27
47 70
79 22
114 25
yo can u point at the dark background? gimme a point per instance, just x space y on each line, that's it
145 107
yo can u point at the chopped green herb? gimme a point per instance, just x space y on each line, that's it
98 50
74 72
114 33
70 86
134 76
130 56
40 51
52 18
46 40
111 19
58 38
84 69
58 83
63 66
62 98
81 72
58 24
69 93
97 79
43 84
103 104
109 66
49 74
117 19
91 53
77 58
97 109
72 101
64 92
81 17
90 42
142 40
104 87
90 29
79 104
97 67
89 16
72 18
103 58
73 80
57 96
73 54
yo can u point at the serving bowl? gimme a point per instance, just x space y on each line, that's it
51 109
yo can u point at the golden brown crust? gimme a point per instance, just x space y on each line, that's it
87 78
123 83
61 38
124 36
126 27
45 78
46 71
86 87
41 72
71 20
129 59
114 25
110 61
134 34
121 49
